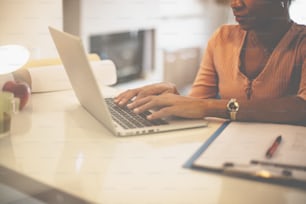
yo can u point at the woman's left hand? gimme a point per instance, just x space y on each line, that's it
170 105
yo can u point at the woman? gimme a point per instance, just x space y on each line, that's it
254 71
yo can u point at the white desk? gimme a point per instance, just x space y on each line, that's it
58 143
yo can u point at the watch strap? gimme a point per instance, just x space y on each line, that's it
233 115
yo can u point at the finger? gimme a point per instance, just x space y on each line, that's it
147 92
164 112
124 98
155 89
144 107
138 102
127 93
151 103
122 95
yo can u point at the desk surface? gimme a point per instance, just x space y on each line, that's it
56 142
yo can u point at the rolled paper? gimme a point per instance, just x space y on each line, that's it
54 78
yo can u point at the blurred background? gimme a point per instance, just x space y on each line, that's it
149 40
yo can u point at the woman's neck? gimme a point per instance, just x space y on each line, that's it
269 36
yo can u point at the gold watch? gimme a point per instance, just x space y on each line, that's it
232 108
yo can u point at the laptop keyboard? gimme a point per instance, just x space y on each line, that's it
128 119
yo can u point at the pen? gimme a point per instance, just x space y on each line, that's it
274 146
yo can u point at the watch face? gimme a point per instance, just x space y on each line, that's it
233 106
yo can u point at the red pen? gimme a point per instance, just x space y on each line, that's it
274 146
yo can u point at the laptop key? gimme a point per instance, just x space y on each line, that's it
128 119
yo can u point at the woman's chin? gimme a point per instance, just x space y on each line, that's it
245 27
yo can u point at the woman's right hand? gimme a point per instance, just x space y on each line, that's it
149 90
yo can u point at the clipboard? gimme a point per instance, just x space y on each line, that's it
245 157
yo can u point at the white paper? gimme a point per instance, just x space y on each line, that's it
240 143
54 78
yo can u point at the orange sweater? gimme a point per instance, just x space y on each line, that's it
283 75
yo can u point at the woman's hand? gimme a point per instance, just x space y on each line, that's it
170 105
150 90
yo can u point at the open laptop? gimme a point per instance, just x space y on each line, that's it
119 120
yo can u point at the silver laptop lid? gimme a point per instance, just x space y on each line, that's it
82 79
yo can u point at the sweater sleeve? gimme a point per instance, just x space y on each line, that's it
206 82
302 88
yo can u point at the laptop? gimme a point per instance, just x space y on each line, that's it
119 120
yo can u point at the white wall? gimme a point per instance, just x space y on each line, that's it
179 23
298 11
99 17
184 25
190 20
26 22
187 24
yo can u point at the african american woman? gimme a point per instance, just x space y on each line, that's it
253 71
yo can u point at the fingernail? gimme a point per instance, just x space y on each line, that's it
136 110
149 117
129 105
